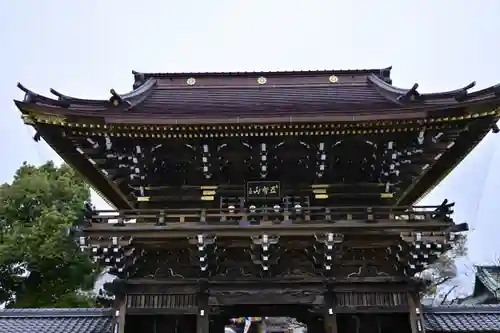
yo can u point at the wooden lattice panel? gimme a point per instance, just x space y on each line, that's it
148 301
372 299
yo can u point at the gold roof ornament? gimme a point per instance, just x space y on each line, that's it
261 80
191 81
333 79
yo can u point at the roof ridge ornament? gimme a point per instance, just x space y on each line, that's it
402 96
496 90
385 74
130 99
32 97
411 95
461 94
139 79
118 100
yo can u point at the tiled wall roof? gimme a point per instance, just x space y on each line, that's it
457 318
463 318
56 321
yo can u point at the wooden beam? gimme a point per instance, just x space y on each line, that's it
150 230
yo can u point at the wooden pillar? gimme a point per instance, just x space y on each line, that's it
330 323
121 312
416 317
315 325
330 314
217 323
203 316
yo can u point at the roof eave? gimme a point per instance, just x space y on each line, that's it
133 116
129 99
412 96
413 197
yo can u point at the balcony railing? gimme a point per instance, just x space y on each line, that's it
270 215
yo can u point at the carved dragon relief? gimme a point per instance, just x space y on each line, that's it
369 263
296 263
162 264
273 296
234 263
367 271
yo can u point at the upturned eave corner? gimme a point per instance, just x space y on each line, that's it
411 96
116 100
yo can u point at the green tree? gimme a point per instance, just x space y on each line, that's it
41 265
444 270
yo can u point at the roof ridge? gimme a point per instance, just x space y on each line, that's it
487 266
269 72
56 312
463 308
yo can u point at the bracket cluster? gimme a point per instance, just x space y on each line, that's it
206 253
116 254
327 249
263 251
418 250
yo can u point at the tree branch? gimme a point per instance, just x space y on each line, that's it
443 281
448 294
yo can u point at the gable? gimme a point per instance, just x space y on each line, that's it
487 279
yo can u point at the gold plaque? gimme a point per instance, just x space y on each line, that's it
333 79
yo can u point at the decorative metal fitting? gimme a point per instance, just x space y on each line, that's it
333 79
261 80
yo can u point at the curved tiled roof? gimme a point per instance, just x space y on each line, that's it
489 276
280 94
56 321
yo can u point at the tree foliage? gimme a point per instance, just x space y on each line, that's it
445 269
40 263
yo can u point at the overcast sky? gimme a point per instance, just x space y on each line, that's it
84 48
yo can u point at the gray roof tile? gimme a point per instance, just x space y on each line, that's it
275 100
462 318
56 321
454 318
489 276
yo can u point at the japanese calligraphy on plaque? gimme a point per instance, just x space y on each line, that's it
263 190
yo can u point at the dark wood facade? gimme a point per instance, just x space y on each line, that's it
275 194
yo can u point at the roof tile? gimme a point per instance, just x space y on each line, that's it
242 101
489 276
455 318
56 321
462 318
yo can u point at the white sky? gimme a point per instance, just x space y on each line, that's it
84 48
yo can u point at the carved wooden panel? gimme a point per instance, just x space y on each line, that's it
372 299
162 301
